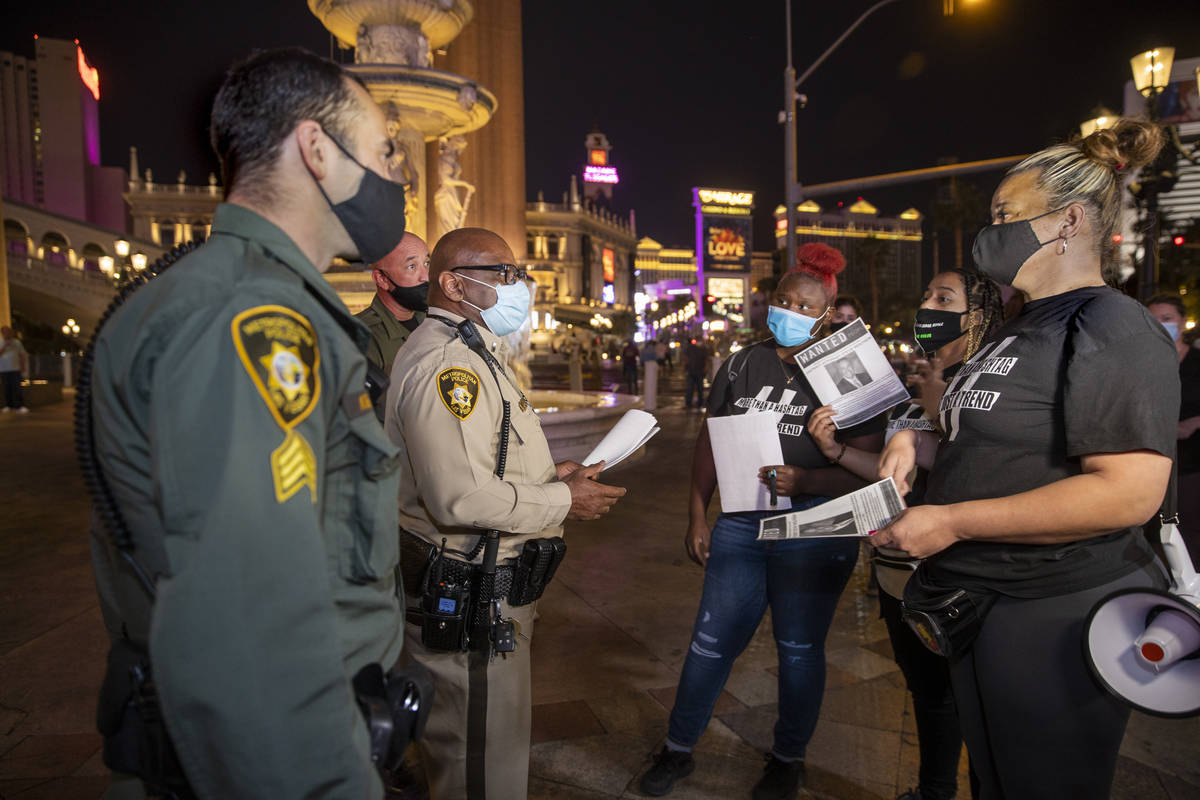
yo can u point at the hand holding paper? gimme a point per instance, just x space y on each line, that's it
631 432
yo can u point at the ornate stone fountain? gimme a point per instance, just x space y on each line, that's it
393 42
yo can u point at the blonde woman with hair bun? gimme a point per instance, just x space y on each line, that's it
1057 446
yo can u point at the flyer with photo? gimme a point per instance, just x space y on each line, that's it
857 514
848 371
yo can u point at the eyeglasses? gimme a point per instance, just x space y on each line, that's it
509 273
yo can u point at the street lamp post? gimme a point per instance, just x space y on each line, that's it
792 188
1151 75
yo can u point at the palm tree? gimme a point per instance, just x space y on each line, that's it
960 205
872 251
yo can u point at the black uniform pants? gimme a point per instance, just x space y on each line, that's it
1037 725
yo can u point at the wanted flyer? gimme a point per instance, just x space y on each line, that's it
857 514
848 371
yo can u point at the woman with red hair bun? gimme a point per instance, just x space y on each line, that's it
800 580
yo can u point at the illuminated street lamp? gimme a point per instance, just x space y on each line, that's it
106 265
1103 118
71 328
139 261
1152 70
122 247
1152 75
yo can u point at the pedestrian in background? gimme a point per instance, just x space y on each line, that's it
14 363
629 366
1170 311
846 309
696 360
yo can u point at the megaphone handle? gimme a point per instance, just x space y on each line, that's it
1183 574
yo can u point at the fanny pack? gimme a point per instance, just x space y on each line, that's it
945 620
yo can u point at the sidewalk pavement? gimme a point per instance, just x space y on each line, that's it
614 628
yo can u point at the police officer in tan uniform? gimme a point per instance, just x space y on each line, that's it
445 410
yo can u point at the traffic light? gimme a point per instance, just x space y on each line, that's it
708 304
1178 241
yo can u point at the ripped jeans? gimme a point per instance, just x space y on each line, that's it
802 580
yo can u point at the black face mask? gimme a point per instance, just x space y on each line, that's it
411 297
935 328
834 327
1001 250
374 216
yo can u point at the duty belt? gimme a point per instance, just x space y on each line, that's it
416 553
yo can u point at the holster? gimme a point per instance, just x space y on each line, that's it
129 718
945 620
396 708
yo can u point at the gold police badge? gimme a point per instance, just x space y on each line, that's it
459 390
278 347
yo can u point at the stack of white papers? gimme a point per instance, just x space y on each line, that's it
629 434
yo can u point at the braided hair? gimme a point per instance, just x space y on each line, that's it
983 295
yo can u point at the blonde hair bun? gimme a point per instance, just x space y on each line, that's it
1125 147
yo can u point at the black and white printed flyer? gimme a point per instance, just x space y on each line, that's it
857 514
848 371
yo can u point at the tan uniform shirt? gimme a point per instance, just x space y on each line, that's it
444 412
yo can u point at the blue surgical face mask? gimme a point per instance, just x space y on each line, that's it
1172 330
510 310
789 327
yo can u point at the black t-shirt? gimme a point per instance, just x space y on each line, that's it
1189 406
755 378
1087 371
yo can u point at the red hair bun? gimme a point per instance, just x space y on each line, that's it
822 262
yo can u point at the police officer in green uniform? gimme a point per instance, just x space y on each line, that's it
231 424
401 283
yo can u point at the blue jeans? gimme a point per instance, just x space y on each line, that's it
802 580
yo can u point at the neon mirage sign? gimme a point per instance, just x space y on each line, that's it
594 174
725 197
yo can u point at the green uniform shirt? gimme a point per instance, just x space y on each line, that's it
232 425
387 333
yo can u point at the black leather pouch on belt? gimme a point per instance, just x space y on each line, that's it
535 568
945 620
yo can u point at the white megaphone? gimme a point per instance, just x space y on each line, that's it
1143 645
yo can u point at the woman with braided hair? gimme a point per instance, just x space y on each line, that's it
1057 440
958 310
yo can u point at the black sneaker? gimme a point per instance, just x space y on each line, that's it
669 766
781 779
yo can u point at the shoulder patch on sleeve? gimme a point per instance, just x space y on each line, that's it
459 389
278 347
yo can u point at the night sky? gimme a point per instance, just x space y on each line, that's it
687 92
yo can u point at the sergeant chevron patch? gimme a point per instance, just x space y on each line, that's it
294 466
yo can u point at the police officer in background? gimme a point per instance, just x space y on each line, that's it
401 284
445 410
232 426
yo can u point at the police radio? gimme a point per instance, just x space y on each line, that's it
445 606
